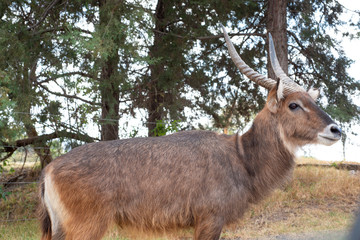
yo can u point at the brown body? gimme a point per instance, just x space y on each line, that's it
197 179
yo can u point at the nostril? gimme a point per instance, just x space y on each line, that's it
335 130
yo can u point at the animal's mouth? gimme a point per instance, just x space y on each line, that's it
327 140
330 138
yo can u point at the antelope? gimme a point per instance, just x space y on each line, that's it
191 179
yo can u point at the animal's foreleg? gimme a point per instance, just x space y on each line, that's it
208 228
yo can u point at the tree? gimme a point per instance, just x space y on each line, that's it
165 79
276 24
109 22
41 42
68 64
25 44
176 68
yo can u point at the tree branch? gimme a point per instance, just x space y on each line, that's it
61 29
8 155
68 96
44 15
66 75
305 52
302 47
209 37
11 148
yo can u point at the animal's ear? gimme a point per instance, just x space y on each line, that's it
314 93
272 104
276 96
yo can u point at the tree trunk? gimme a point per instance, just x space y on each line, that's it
156 96
343 140
276 24
109 83
41 149
110 93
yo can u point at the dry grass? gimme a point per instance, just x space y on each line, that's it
311 160
20 204
316 199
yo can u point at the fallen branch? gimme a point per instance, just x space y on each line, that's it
10 148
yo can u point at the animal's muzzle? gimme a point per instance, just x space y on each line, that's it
330 135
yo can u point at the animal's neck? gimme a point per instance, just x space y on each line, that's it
267 158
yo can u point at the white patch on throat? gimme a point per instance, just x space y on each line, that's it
288 145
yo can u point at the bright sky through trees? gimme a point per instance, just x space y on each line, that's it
352 50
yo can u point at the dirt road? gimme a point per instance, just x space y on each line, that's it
323 235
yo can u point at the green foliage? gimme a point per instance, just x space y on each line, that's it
134 132
5 163
187 65
3 193
335 165
51 112
2 167
57 148
162 128
86 63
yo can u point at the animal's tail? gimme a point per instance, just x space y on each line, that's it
43 213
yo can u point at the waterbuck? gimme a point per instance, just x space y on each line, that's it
198 179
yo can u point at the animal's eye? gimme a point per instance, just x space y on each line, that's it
293 106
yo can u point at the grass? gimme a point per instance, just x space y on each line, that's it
22 230
316 199
20 203
311 160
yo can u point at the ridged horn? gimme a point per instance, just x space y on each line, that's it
268 83
254 76
290 85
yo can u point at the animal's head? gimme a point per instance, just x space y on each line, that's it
299 120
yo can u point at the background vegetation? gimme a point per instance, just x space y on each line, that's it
73 72
79 71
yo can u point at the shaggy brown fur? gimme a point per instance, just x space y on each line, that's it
197 179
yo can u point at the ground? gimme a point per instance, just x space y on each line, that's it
319 203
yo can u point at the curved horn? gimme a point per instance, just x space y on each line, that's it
244 68
289 84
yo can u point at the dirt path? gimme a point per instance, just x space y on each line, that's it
323 235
